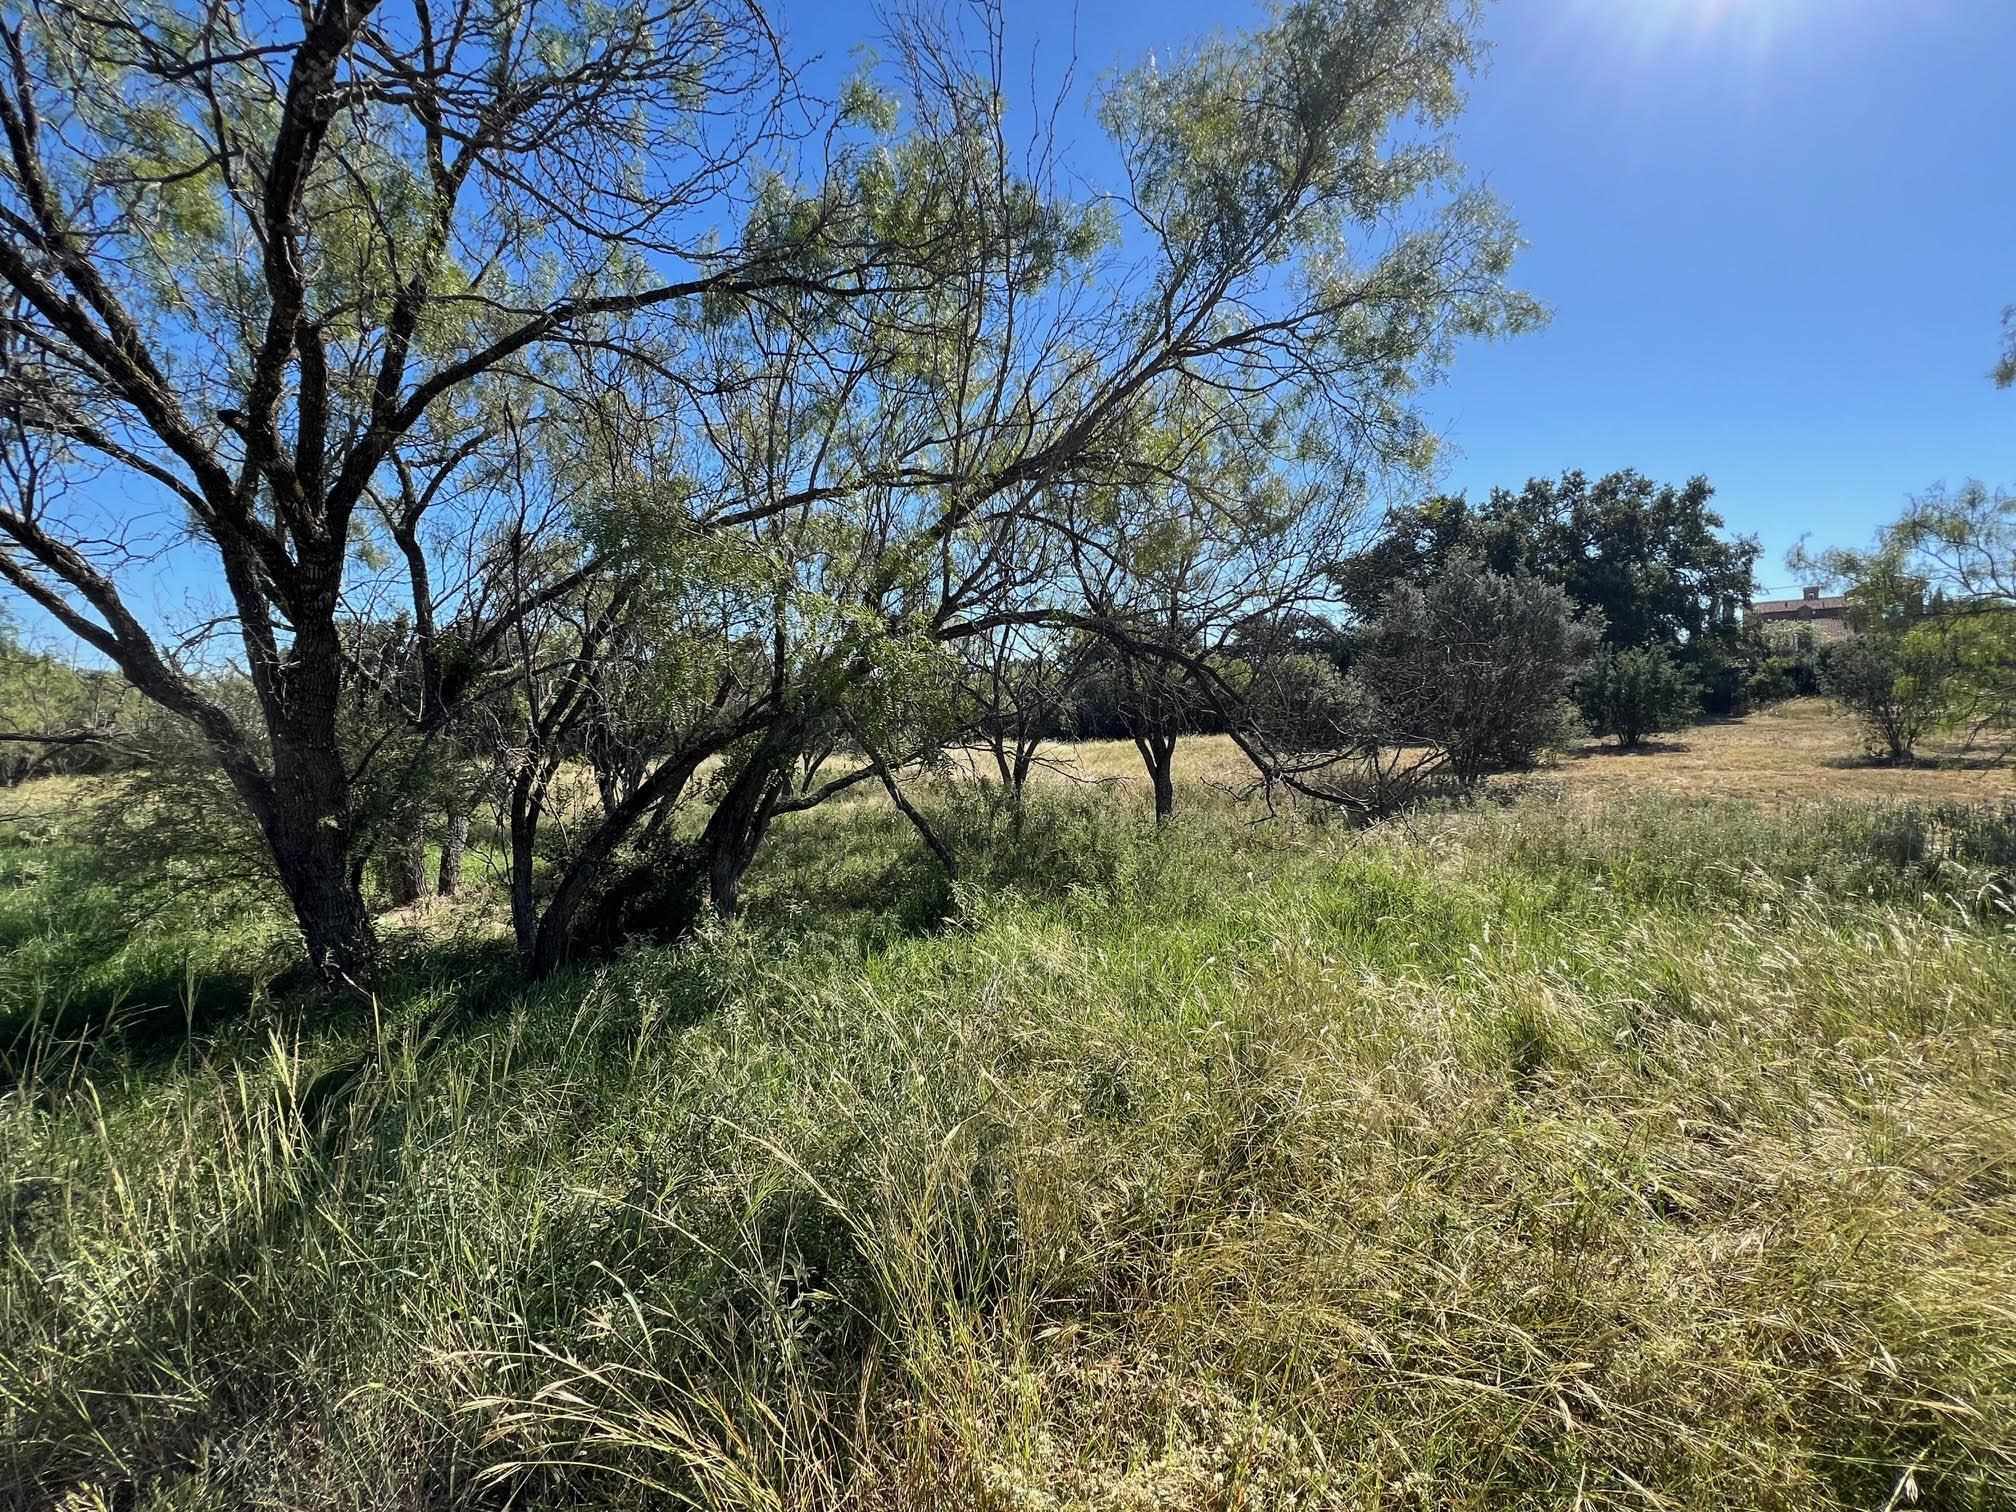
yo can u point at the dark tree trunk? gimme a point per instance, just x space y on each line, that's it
404 859
736 829
471 787
454 843
526 925
322 884
1158 754
547 938
308 819
1025 758
938 848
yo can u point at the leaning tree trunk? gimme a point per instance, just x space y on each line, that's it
910 811
548 936
736 829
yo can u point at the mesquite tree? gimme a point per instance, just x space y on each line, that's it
1948 563
265 261
515 312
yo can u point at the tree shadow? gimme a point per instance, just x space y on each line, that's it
1944 761
149 1022
869 887
199 1322
1643 748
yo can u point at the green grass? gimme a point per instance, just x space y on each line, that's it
1654 1156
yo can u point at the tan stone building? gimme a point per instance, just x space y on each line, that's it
1825 615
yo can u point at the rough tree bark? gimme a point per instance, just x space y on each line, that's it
454 845
404 859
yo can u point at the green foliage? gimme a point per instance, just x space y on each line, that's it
1783 663
1898 683
1939 587
1318 114
707 459
1637 692
1301 702
127 947
94 719
1478 665
1982 643
1508 1158
1963 543
1649 557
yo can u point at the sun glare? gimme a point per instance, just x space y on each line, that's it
1753 25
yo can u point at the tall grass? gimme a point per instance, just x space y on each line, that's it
1661 1156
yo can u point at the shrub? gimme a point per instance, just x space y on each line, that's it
1789 668
1478 665
1778 678
1896 683
1634 693
1303 703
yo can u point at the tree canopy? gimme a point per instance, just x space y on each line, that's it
615 395
1649 557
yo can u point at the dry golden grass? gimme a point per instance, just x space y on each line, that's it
1796 752
49 797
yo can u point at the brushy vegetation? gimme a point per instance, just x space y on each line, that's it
1653 1155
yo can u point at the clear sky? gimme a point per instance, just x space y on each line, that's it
1776 237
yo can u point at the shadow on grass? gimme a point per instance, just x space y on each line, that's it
1951 761
148 1022
878 885
1643 748
203 1321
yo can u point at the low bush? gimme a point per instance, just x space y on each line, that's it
1477 665
1634 693
1897 684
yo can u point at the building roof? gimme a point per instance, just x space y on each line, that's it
1825 604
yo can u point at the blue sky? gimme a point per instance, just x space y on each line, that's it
1776 237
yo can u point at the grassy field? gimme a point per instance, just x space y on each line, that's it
1646 1142
1800 751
